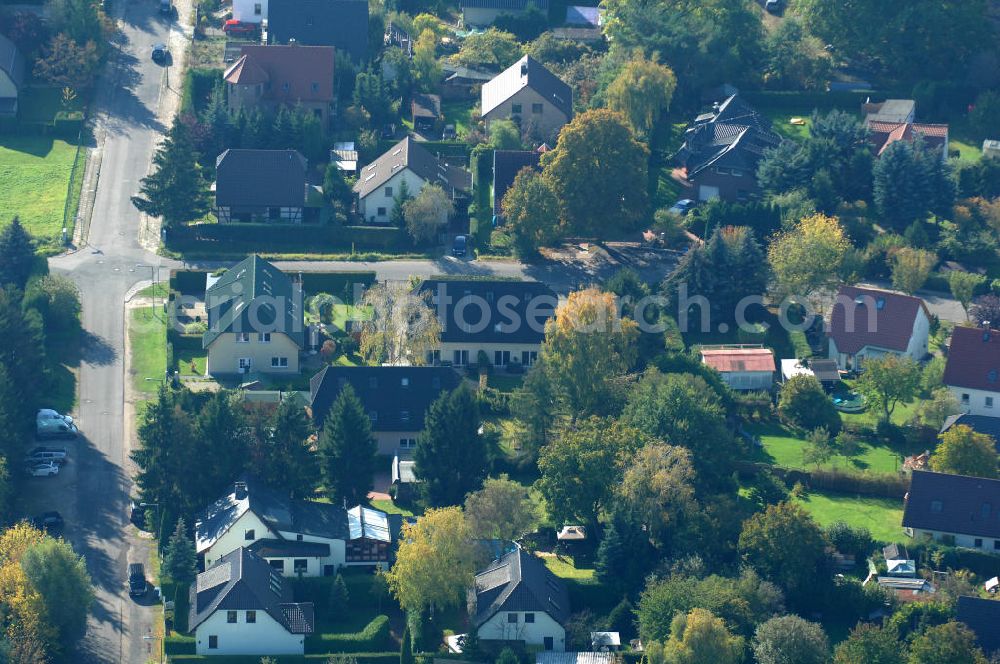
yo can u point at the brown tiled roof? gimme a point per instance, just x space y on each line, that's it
895 314
884 134
739 359
292 73
974 359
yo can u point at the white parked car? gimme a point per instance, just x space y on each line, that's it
43 469
50 424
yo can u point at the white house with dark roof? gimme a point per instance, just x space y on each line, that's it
241 606
482 13
972 371
957 509
294 536
537 100
870 323
265 186
380 182
517 598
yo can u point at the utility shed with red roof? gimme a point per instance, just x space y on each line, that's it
741 367
869 323
973 370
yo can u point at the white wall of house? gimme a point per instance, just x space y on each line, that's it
264 637
481 17
748 380
337 556
916 348
236 537
447 350
7 87
500 628
986 544
977 402
250 11
225 352
390 442
377 206
548 122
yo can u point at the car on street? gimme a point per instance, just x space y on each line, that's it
136 580
166 7
44 469
58 458
458 247
160 53
137 514
682 207
234 27
47 521
50 424
38 449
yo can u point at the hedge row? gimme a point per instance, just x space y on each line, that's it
883 486
823 101
197 88
373 638
361 658
188 282
270 238
980 563
338 284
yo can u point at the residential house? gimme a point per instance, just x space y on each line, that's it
395 398
255 321
953 508
868 323
381 181
461 82
825 371
907 589
342 24
268 77
896 111
482 13
983 424
982 616
537 100
722 149
345 156
241 606
294 536
894 120
425 110
501 320
266 186
12 71
506 165
742 367
517 599
972 372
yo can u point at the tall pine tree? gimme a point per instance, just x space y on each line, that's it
180 560
290 463
347 449
175 190
451 456
17 255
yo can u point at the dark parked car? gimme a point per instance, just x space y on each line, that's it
137 514
47 521
682 207
459 246
136 580
160 53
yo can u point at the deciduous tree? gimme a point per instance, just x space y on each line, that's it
888 381
658 489
427 213
963 451
950 643
963 286
809 256
426 68
803 402
493 49
790 640
451 456
985 310
402 326
910 268
347 449
700 637
642 92
531 210
870 644
500 510
68 64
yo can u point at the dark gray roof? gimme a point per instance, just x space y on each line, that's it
516 311
279 548
733 135
527 73
978 423
953 504
260 178
983 618
507 5
388 392
233 305
506 165
243 581
12 62
342 24
410 154
518 581
277 511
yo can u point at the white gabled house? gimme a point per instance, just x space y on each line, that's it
973 370
516 598
869 323
241 606
295 537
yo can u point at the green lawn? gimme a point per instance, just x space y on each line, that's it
900 415
157 290
780 122
459 113
882 516
148 349
505 382
40 104
783 448
35 172
390 507
565 568
191 362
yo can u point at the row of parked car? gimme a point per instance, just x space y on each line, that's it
45 461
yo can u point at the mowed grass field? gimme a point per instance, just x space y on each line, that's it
882 516
35 172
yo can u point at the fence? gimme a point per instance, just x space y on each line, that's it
74 192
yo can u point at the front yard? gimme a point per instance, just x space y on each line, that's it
784 448
147 331
882 516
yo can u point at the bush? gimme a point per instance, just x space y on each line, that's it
373 638
270 238
67 123
804 404
339 284
188 282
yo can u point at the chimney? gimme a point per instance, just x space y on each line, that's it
240 490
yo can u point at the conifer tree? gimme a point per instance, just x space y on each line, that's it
347 449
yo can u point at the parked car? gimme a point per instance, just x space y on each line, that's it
773 6
682 207
137 514
50 424
38 449
160 53
234 27
166 7
449 132
44 469
136 580
459 246
47 521
58 458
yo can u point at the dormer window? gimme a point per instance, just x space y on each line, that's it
373 415
405 382
404 415
249 535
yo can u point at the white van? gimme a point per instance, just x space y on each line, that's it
50 424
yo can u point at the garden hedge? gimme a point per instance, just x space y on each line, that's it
272 238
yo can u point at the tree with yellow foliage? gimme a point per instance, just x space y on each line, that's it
641 92
809 256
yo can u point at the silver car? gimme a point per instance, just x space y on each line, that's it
50 424
46 469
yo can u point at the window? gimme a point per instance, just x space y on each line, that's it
989 402
213 642
996 545
251 616
245 363
936 506
274 213
434 358
404 382
529 617
501 358
529 357
279 362
404 416
277 565
298 538
536 108
512 617
242 337
388 192
461 358
230 616
257 9
373 415
249 535
407 443
965 399
515 108
548 642
300 565
978 543
264 338
381 212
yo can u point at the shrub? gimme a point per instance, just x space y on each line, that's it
803 403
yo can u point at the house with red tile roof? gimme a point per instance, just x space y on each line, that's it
973 370
742 367
869 323
271 76
884 134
